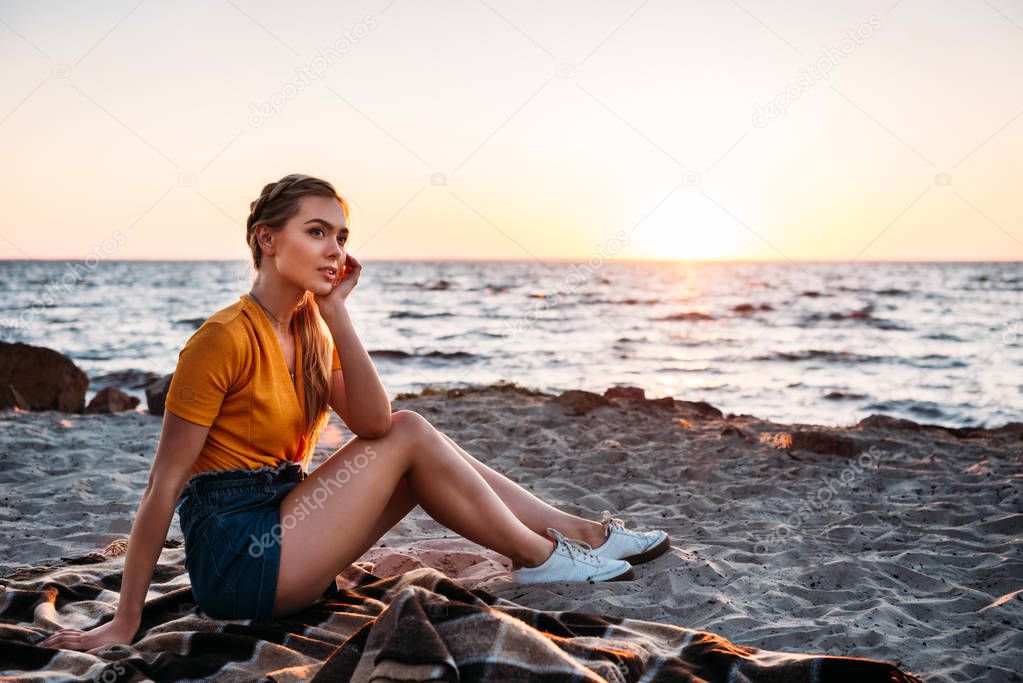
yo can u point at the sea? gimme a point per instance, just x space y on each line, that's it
803 342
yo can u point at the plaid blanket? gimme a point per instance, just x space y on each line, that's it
418 626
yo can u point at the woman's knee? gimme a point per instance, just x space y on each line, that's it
409 423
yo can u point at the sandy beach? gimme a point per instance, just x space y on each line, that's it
896 541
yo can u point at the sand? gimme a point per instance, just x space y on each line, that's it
900 543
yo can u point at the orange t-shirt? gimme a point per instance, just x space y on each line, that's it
231 376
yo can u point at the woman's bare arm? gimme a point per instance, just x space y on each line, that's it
180 443
369 416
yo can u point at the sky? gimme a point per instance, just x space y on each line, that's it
493 129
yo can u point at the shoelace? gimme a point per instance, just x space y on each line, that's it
574 547
608 521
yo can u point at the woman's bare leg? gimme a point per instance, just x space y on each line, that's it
402 502
531 511
329 519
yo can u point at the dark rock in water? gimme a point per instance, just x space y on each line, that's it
439 285
496 289
580 402
633 393
825 442
392 354
133 379
417 314
862 314
111 400
38 378
841 396
449 355
156 394
877 421
746 309
812 294
191 322
689 315
702 408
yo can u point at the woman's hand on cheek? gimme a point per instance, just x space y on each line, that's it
343 286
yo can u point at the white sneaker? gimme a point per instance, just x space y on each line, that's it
573 561
636 547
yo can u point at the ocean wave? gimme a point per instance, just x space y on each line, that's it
688 315
419 314
864 315
477 333
820 354
861 314
943 336
626 302
908 409
936 361
394 354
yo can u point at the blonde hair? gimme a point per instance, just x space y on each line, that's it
277 203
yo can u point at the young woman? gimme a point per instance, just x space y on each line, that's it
249 396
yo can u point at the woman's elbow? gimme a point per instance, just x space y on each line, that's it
375 429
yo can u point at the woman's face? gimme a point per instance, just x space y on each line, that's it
314 239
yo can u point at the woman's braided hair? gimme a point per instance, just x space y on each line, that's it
277 203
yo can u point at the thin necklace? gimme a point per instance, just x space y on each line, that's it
254 298
264 307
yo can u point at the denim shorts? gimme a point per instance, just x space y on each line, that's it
231 523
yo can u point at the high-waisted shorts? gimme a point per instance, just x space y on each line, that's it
231 523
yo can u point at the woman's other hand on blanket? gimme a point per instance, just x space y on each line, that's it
114 632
